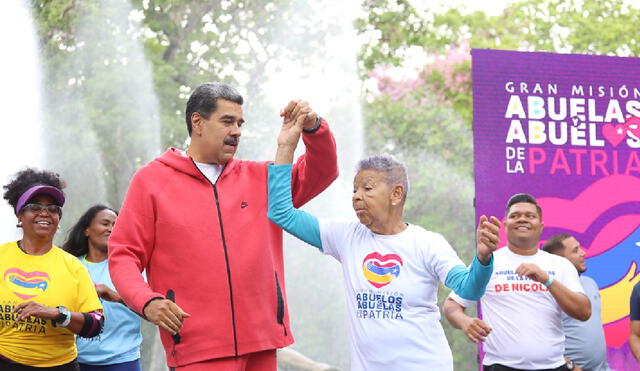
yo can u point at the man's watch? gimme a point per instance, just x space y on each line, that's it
570 365
64 317
315 127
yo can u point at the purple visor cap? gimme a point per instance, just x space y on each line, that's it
58 195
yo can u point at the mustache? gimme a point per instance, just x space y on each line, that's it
231 141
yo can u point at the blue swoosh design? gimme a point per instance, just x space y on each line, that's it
610 266
29 285
395 270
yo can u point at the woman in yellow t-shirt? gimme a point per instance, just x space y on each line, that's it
46 294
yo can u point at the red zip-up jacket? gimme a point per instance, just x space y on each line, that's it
213 245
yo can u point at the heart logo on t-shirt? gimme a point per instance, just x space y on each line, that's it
380 270
26 285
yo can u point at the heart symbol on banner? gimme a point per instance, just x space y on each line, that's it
633 125
614 134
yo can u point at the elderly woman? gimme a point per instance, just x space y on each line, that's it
118 348
391 269
46 294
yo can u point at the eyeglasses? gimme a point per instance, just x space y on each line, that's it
37 208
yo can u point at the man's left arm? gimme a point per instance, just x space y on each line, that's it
575 304
317 168
634 339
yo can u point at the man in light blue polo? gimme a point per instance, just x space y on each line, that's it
584 341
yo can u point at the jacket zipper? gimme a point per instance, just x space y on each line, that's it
226 256
173 353
226 259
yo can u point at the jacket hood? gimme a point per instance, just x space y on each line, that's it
180 161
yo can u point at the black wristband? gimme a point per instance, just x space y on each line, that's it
315 128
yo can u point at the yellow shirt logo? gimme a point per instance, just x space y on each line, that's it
26 285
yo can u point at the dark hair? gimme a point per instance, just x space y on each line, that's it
204 100
522 197
554 244
77 243
27 178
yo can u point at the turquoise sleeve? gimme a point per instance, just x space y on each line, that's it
470 283
281 211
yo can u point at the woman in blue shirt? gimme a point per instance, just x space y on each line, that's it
117 348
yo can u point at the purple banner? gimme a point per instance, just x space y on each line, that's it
566 129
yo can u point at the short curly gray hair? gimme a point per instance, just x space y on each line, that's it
395 172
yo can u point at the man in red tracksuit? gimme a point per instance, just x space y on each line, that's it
196 220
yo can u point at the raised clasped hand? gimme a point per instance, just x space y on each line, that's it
300 112
487 237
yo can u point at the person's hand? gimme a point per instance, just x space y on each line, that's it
533 272
476 329
165 314
290 132
31 308
104 292
299 110
487 237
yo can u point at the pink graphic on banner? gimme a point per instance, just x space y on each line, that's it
577 216
614 134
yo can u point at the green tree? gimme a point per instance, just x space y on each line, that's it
106 118
192 41
393 27
426 120
88 50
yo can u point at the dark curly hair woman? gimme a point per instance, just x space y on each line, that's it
47 296
118 348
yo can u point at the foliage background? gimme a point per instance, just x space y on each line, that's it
427 119
103 108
